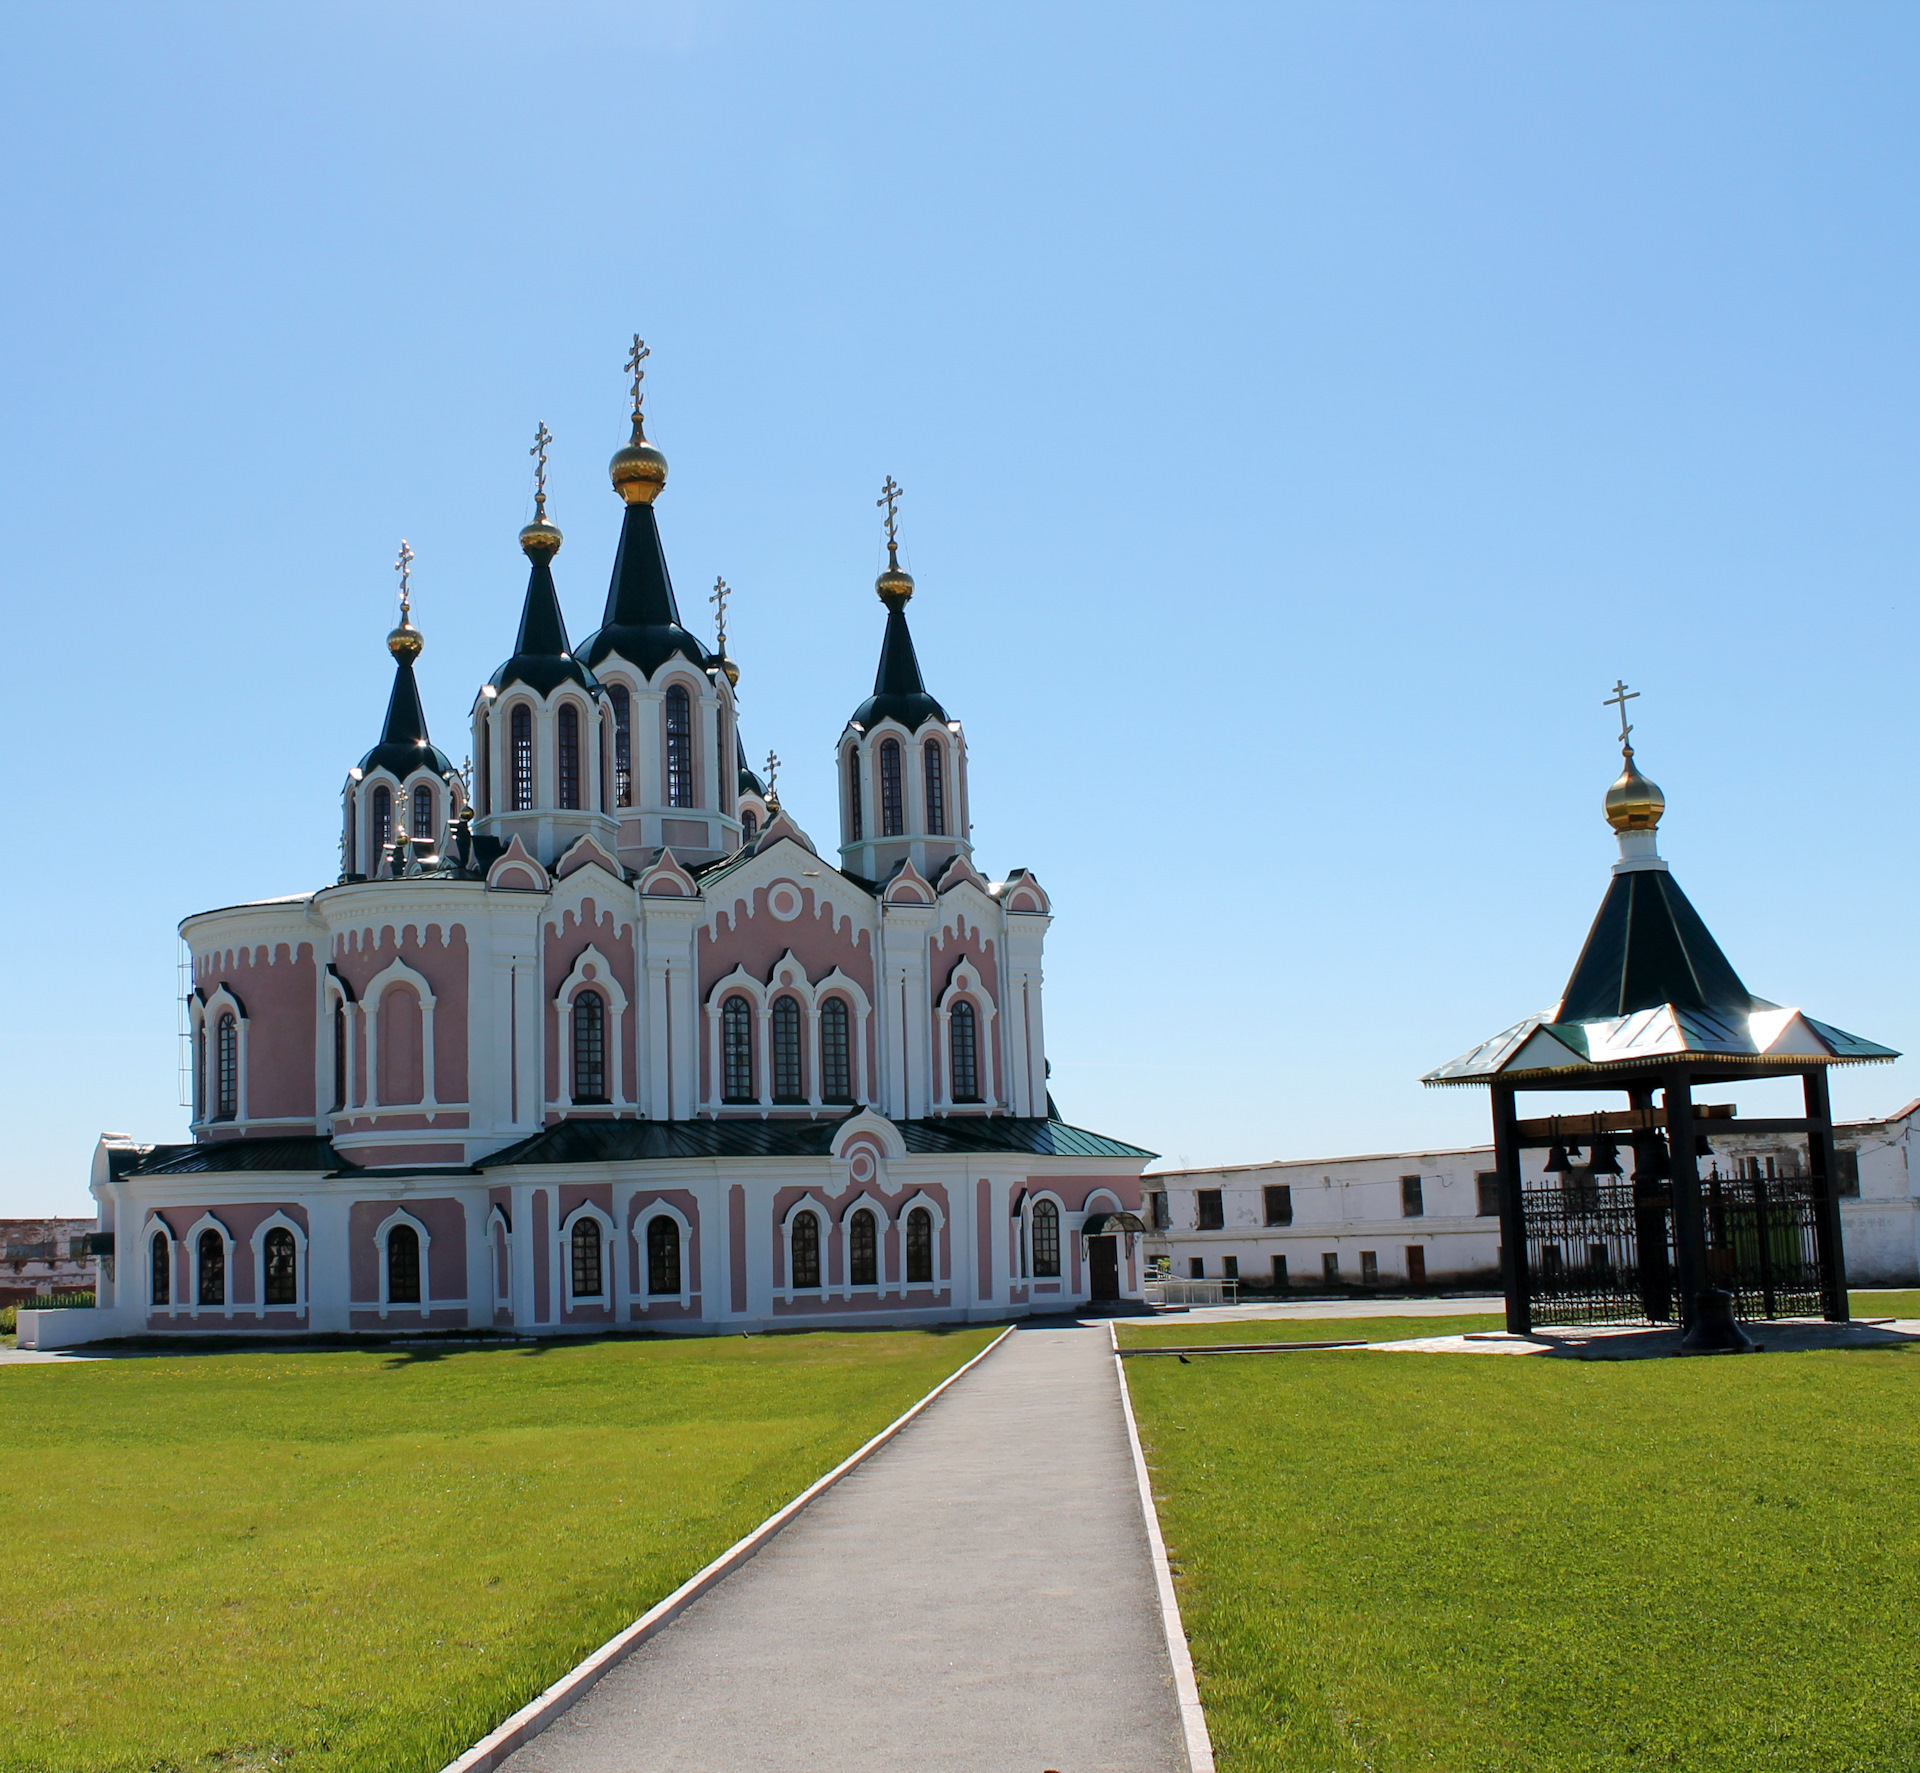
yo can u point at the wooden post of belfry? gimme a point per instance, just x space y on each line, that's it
1514 1276
1649 1212
1826 1192
1689 1224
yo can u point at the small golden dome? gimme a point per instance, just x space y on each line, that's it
540 537
1634 803
731 669
894 586
639 471
405 642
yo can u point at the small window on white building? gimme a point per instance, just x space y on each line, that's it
1207 1209
1846 1174
1413 1204
1369 1267
1196 1268
1330 1266
1279 1274
1230 1267
1487 1185
1279 1203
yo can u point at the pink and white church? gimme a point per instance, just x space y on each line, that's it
599 1039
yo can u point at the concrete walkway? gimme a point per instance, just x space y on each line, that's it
976 1598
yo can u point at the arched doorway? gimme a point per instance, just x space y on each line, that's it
1100 1237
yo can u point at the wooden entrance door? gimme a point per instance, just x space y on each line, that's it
1103 1265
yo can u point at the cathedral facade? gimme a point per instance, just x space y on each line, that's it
591 1036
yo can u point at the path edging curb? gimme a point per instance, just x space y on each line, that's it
1193 1720
525 1724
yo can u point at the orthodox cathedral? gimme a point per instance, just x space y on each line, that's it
592 1036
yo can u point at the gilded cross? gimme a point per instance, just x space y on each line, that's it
890 497
541 438
773 776
1619 699
721 592
403 565
637 356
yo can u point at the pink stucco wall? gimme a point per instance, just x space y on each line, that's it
565 941
278 986
438 952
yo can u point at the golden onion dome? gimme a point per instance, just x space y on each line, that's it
1634 803
405 641
894 586
639 471
731 669
540 537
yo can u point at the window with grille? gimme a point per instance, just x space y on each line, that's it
736 1050
787 1083
1413 1201
936 788
863 1250
213 1269
1279 1204
892 804
567 733
1486 1184
920 1247
382 820
1046 1240
749 827
226 1048
1846 1174
622 746
1279 1274
963 1038
162 1269
663 1255
679 747
589 1048
403 1266
1209 1215
282 1279
836 1051
423 814
806 1250
339 1056
586 1259
520 741
854 815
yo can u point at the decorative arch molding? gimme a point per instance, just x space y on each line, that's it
384 1231
942 1258
191 1241
787 978
156 1226
965 984
517 871
868 1202
781 829
500 1255
961 872
611 1290
666 879
786 1291
908 887
1057 1282
593 971
644 1209
397 972
587 852
1021 894
221 1000
870 1126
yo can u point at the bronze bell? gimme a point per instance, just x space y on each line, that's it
1700 1146
1606 1157
1651 1162
1557 1164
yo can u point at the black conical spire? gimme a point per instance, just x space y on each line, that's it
540 657
1648 946
898 691
404 746
642 619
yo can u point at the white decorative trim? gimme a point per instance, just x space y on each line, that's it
965 984
397 972
384 1230
642 1277
207 1222
278 1221
612 1036
609 1299
786 1291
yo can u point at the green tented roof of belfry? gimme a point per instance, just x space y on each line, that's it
1648 946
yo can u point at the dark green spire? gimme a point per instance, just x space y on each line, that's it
404 746
642 620
540 657
898 692
1648 946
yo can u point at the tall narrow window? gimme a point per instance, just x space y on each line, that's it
622 744
679 747
1413 1202
963 1030
936 788
663 1255
863 1250
339 1055
920 1247
589 1048
162 1269
403 1266
787 1084
200 1072
806 1250
213 1269
520 741
749 827
855 818
1046 1240
567 730
382 821
836 1070
281 1259
226 1046
892 810
422 831
736 1050
586 1259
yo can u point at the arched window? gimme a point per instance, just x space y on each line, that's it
736 1051
226 1046
401 1046
282 1279
663 1255
863 1250
855 818
213 1269
920 1247
200 1072
520 735
403 1266
622 744
806 1250
423 831
589 1048
679 747
339 1055
586 1259
162 1269
1046 1240
936 788
892 811
963 1041
382 821
787 1083
836 1070
749 827
567 728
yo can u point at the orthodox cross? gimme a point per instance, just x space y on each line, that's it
1619 699
773 776
637 356
721 592
541 438
403 565
890 497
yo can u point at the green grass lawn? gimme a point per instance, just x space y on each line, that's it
361 1562
1478 1564
1175 1333
1904 1303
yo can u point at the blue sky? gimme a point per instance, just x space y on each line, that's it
1306 412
